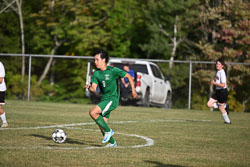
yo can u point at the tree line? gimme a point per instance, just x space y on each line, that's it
155 29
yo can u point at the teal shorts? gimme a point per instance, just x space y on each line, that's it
107 106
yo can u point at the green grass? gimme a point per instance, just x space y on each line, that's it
181 137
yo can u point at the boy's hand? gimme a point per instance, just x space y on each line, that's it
87 86
134 94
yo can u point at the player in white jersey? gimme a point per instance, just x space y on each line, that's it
2 96
219 98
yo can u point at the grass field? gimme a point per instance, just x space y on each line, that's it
145 136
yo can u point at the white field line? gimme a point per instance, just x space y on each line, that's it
91 123
149 141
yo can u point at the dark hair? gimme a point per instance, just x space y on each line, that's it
221 60
126 64
103 54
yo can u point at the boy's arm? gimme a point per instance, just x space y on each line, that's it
131 82
218 84
123 82
92 88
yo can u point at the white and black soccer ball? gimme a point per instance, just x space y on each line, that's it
59 136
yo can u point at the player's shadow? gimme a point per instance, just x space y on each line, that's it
69 140
159 164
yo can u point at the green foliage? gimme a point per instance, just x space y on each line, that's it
239 83
199 101
9 34
18 88
15 85
121 23
179 79
167 20
234 103
68 86
90 26
52 24
12 64
206 30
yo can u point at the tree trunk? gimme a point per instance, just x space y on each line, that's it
53 51
46 69
174 44
245 101
19 7
52 75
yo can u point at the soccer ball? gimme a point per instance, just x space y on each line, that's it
59 136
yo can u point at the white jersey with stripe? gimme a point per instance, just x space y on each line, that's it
2 75
221 78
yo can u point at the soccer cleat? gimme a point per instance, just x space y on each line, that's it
227 122
5 125
111 145
107 136
227 108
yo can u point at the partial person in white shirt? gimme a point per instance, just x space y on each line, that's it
2 96
219 98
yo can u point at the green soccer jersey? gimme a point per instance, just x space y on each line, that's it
107 81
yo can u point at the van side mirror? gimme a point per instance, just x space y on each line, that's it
167 78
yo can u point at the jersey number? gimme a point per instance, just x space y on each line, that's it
103 84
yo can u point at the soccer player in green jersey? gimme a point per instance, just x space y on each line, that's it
106 78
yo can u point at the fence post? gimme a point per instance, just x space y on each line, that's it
190 85
28 97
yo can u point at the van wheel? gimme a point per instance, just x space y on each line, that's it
146 99
168 102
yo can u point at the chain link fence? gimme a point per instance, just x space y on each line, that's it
190 80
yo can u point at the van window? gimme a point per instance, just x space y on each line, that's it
140 68
135 67
118 65
156 71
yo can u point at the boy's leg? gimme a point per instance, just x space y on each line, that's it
2 113
111 140
100 113
95 114
107 134
3 117
222 101
212 103
100 121
226 106
224 113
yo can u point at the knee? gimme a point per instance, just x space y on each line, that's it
208 104
95 112
221 106
91 113
1 110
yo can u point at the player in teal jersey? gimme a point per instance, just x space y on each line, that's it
106 78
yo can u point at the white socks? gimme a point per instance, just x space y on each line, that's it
215 105
3 118
226 118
